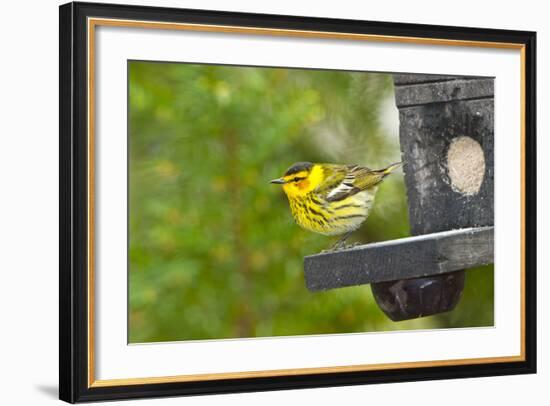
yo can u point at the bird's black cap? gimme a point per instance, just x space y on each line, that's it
298 167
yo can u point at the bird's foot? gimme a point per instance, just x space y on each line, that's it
341 247
349 246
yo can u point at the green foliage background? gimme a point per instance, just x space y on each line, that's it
213 250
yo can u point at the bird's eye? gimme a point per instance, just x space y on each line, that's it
297 179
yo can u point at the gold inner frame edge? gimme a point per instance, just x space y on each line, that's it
94 22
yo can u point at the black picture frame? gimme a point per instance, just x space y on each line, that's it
73 284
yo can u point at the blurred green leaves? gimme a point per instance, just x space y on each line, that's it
213 250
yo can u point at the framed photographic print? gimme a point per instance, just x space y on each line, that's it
257 202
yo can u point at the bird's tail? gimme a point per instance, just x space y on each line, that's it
390 168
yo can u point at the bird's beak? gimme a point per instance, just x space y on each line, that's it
278 181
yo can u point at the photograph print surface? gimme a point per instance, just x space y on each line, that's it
237 173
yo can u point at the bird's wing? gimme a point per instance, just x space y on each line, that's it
334 179
346 180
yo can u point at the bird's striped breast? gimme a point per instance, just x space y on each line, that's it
332 218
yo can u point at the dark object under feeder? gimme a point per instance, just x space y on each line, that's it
446 139
411 298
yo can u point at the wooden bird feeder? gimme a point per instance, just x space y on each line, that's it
446 137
